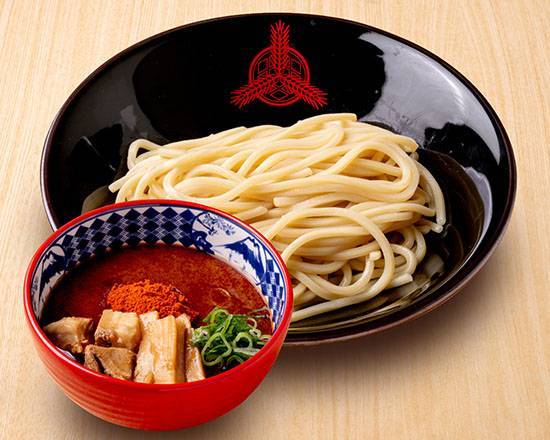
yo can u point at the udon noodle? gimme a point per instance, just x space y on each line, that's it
346 203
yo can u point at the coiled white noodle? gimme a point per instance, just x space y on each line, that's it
346 203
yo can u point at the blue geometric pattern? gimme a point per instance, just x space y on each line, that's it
162 223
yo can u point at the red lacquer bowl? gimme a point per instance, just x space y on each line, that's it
146 406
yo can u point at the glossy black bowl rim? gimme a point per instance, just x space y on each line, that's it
452 286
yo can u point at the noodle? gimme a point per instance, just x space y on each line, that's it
346 203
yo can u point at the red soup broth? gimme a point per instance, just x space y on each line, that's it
205 281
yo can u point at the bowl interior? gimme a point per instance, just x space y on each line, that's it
172 224
178 85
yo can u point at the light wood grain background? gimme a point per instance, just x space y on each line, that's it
476 368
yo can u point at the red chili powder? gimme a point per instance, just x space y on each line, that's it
147 296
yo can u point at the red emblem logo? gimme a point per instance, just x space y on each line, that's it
279 75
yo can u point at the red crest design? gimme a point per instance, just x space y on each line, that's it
279 75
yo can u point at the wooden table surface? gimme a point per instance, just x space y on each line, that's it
476 368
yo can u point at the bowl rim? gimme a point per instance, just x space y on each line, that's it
41 337
451 287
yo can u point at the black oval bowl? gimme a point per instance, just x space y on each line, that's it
178 85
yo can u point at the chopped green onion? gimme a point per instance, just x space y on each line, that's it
210 350
228 340
233 361
241 336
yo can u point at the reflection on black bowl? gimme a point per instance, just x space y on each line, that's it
178 85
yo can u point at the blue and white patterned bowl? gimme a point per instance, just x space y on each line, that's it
187 224
172 223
